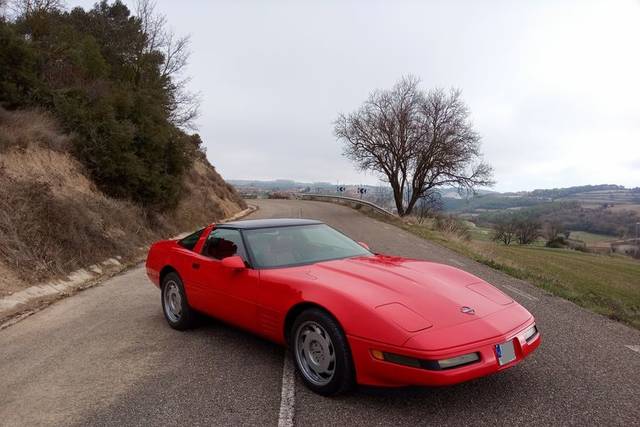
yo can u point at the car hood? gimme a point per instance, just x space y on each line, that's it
414 294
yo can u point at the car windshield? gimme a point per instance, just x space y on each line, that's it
297 245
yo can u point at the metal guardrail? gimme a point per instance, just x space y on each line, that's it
328 197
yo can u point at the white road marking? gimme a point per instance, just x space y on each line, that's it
521 293
458 263
288 395
635 348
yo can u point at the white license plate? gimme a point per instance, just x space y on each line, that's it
505 352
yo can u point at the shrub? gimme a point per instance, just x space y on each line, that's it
97 73
557 242
452 225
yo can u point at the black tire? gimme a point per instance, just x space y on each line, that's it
343 377
173 290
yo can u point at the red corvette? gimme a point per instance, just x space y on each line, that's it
349 315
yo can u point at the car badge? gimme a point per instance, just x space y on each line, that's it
467 310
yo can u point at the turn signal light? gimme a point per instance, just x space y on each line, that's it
377 354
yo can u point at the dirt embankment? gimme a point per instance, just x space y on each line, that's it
53 219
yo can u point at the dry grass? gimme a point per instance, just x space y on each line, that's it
44 234
207 198
21 129
53 220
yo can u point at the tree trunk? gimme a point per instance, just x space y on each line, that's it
397 195
414 199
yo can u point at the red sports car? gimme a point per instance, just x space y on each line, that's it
348 315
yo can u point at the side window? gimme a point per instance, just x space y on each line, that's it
223 243
191 240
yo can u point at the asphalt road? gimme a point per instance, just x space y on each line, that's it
106 357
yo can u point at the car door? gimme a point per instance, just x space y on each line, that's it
227 293
183 259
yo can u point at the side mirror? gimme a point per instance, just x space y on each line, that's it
364 245
235 262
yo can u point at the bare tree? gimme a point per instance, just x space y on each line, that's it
29 7
152 25
183 105
418 141
526 230
504 231
551 230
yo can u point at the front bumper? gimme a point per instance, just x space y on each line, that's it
371 371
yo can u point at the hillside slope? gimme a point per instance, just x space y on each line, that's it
54 220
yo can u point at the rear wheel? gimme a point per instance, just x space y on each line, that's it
174 303
322 353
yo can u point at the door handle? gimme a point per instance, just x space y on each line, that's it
195 265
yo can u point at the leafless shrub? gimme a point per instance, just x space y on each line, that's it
551 230
279 195
22 128
428 206
451 225
504 231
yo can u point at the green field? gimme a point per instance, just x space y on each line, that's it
609 285
484 234
591 237
481 233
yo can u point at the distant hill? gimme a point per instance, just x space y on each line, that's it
612 196
326 187
279 184
588 196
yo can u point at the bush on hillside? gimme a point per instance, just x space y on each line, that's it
98 72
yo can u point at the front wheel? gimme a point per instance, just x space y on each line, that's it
322 353
174 303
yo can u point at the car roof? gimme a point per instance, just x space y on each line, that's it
250 224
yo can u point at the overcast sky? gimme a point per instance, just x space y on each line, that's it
553 86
